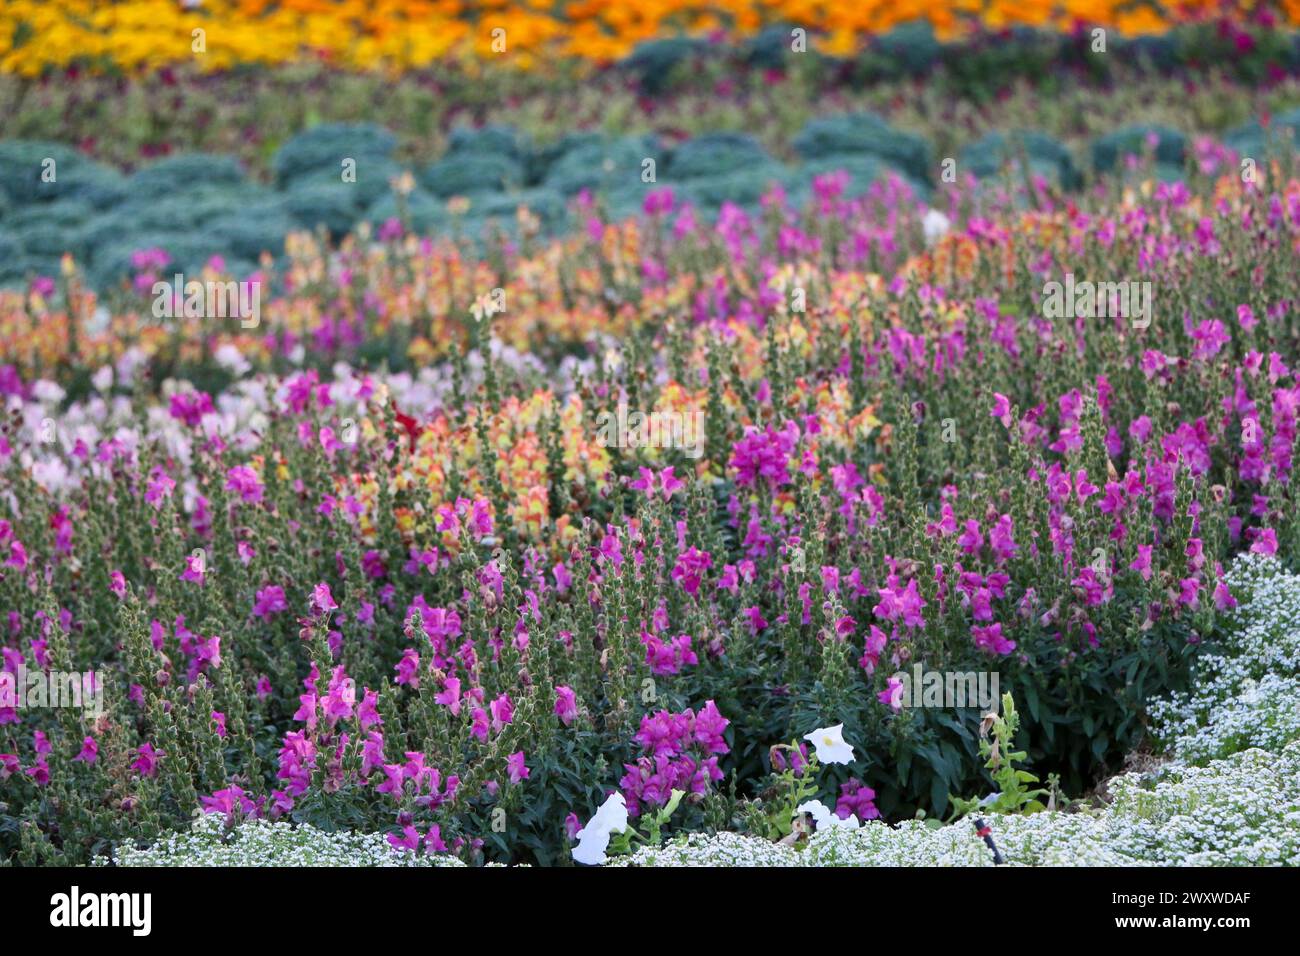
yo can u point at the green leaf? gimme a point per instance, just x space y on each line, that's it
1031 701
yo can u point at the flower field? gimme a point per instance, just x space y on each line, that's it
402 34
640 452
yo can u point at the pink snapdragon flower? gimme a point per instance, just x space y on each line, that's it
516 768
566 704
243 481
990 639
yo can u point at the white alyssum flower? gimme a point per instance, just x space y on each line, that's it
830 744
265 843
1245 695
713 850
1241 811
593 839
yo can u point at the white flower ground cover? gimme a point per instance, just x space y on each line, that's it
264 843
1229 795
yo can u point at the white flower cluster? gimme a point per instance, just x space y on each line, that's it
722 849
1239 811
264 843
1247 692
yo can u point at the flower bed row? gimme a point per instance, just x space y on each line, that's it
193 207
1006 83
1239 806
396 34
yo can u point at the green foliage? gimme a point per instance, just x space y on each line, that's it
546 204
44 232
23 177
422 212
742 187
178 176
649 833
1281 138
320 150
863 171
909 49
16 270
189 253
602 165
716 154
865 133
770 48
542 157
467 174
779 804
98 186
1051 80
490 140
208 220
1005 764
1108 150
259 228
988 156
337 206
369 178
657 63
22 163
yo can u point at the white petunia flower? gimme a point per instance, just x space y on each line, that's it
824 818
593 839
830 744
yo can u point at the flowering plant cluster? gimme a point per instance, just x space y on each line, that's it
1241 811
376 565
1237 808
1224 793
